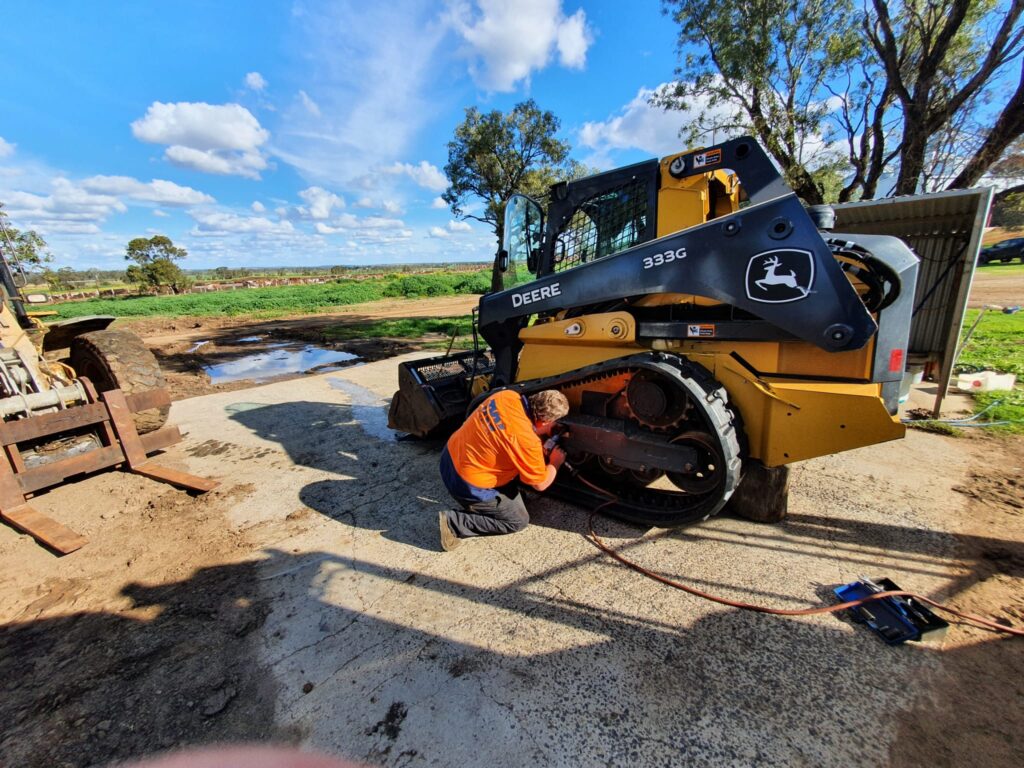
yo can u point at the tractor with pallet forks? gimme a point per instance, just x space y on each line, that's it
75 397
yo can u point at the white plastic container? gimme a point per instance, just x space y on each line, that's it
984 381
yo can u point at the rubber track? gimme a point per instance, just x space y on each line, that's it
653 507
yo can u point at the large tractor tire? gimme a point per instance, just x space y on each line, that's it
120 360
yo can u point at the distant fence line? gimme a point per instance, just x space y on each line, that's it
212 287
249 282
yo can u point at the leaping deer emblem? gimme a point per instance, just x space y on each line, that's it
770 278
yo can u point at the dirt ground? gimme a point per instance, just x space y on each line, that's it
144 640
993 287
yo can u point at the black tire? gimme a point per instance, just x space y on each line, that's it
120 360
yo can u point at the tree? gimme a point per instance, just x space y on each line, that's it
24 250
761 66
906 80
60 280
494 156
154 265
938 58
1008 210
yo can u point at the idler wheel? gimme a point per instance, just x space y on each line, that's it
707 473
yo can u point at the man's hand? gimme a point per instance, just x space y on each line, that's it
557 457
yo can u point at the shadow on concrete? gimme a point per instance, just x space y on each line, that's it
390 486
777 690
236 650
181 667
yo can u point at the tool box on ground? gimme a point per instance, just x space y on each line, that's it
894 619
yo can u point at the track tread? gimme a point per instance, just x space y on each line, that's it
653 507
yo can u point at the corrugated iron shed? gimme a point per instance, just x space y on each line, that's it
944 229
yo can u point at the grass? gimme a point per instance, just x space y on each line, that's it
997 343
1005 406
996 267
407 328
282 300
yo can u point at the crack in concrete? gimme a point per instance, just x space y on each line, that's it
523 728
314 643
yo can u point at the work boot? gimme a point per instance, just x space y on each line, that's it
449 540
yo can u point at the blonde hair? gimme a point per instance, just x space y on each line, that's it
549 405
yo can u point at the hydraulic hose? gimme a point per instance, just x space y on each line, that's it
601 545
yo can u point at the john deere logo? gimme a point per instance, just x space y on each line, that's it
775 277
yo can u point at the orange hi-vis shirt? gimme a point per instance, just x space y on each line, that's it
497 443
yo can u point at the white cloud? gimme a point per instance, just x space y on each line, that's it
509 41
160 214
311 106
226 223
67 202
254 81
366 229
638 125
327 229
6 148
438 203
438 232
247 164
459 226
573 41
388 206
369 222
374 65
258 207
426 175
157 191
320 202
213 138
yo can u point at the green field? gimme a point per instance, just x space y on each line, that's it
997 343
284 300
1005 406
406 328
1002 269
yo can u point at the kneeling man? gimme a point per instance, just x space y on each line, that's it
499 444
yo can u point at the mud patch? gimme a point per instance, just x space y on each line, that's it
391 725
210 448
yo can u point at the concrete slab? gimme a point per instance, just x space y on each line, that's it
535 648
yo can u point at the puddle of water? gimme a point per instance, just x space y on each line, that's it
196 346
249 339
278 360
367 409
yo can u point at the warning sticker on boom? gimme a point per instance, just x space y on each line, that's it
704 159
700 331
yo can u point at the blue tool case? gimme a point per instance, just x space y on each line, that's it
894 619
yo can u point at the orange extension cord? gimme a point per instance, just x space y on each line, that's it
599 543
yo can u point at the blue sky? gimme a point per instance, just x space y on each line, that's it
305 132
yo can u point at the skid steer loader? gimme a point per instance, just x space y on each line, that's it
75 397
705 330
